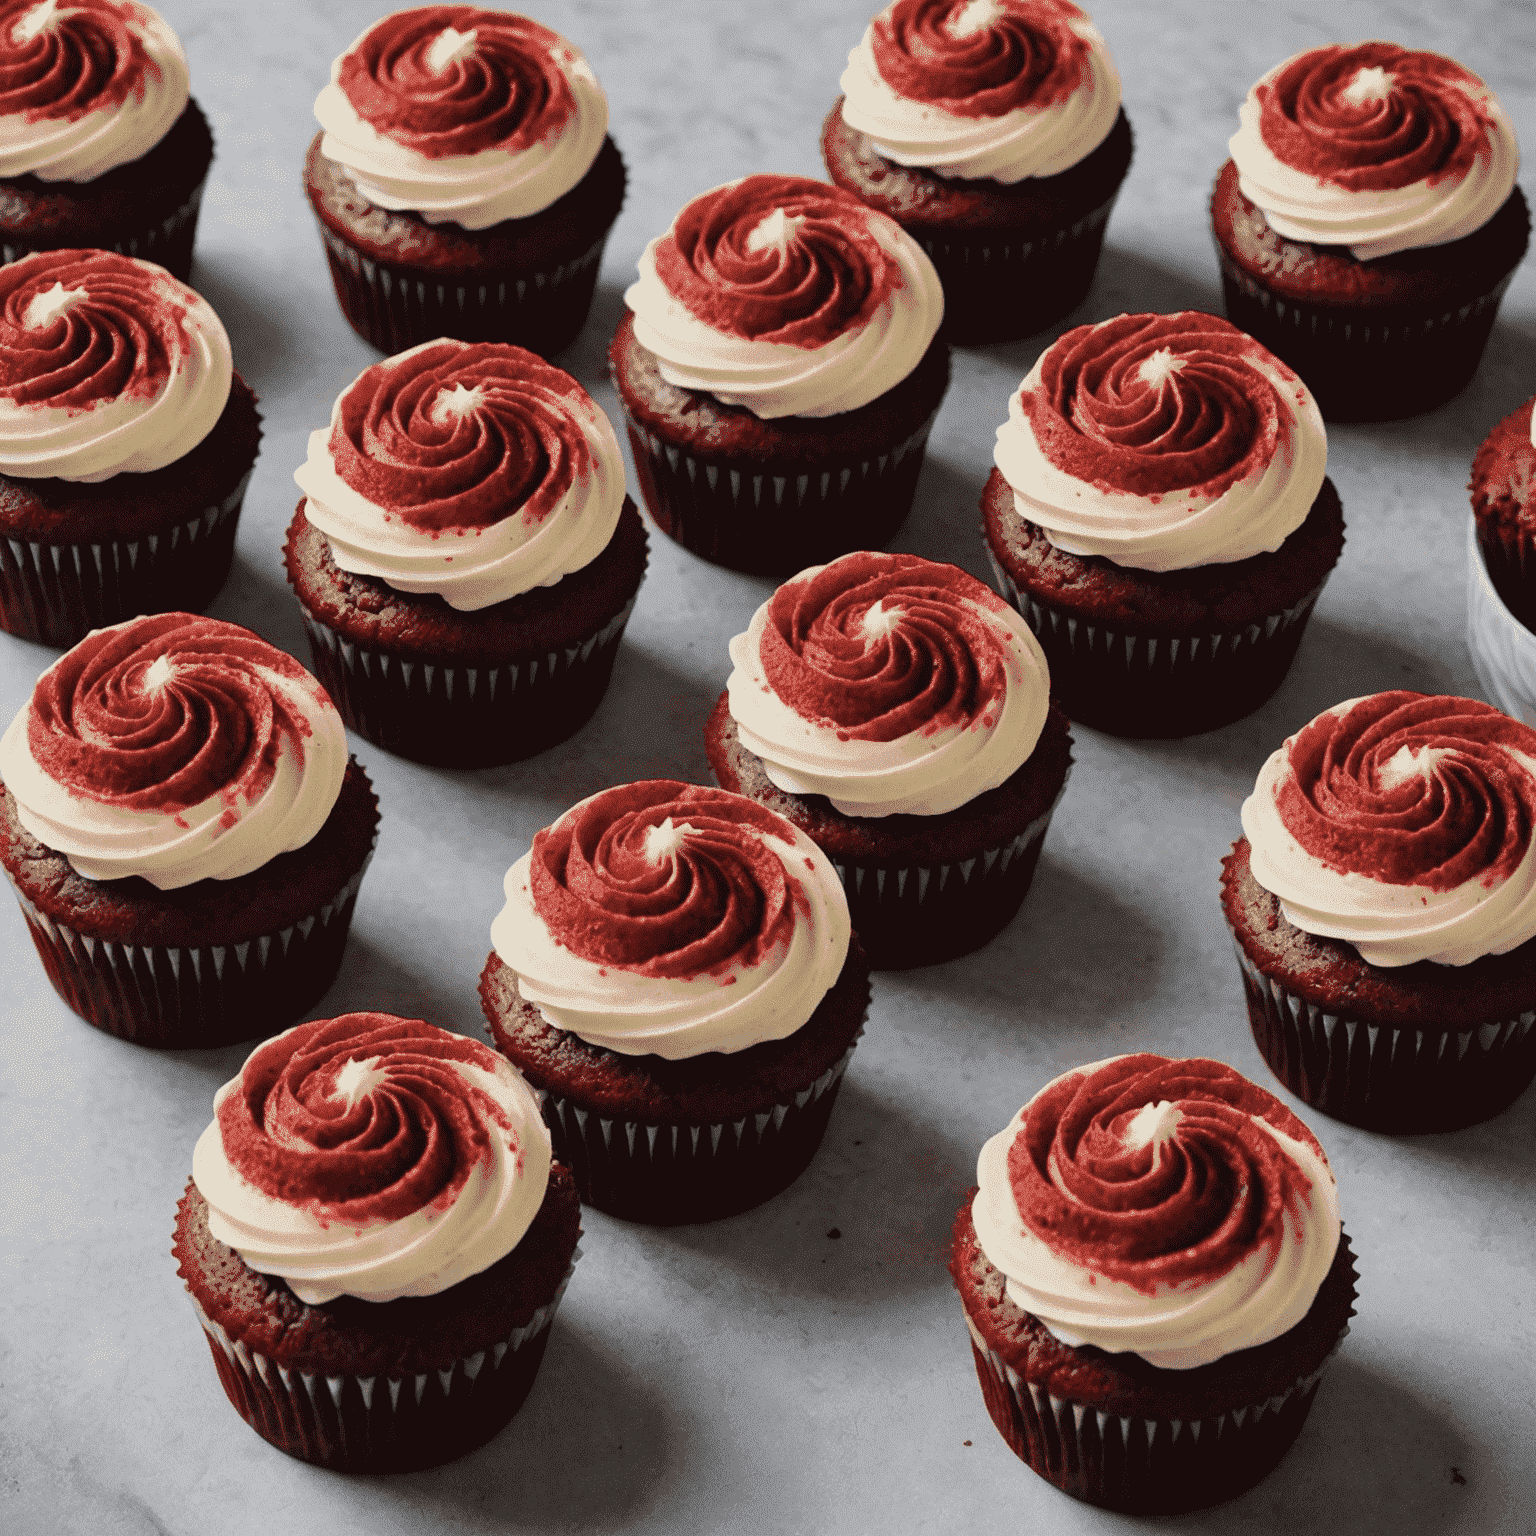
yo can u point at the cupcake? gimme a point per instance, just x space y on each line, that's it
897 712
126 441
674 972
779 374
1383 901
1160 516
1154 1277
375 1240
1368 223
184 831
993 134
1504 509
100 142
463 180
465 556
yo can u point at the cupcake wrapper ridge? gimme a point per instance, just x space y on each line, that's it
167 242
1503 648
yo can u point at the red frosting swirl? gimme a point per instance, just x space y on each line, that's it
507 92
85 59
1113 410
408 1143
209 721
801 292
721 900
1027 55
1462 813
450 435
1188 1208
1431 123
941 665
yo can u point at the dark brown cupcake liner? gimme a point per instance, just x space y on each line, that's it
1509 554
459 716
1144 684
58 593
382 1423
1383 1077
168 241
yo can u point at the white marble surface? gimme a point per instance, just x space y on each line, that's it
759 1374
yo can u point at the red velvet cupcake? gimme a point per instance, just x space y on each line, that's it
1383 902
674 972
466 557
1368 224
100 142
1504 509
184 831
375 1240
1154 1277
780 373
464 182
994 136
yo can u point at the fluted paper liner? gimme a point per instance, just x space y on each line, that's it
1503 649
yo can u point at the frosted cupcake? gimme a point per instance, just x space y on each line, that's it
1503 491
466 556
100 142
898 712
1161 517
184 831
375 1240
1368 223
464 181
1383 901
1154 1277
674 972
992 132
779 373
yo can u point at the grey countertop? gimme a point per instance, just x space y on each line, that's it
762 1374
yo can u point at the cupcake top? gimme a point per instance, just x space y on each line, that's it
982 88
1503 484
1402 822
372 1156
1170 1208
889 684
108 366
1163 442
461 114
1376 147
85 85
176 748
473 470
669 919
787 296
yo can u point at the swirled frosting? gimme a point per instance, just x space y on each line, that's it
108 366
668 919
473 470
85 85
787 296
372 1156
457 113
982 88
1163 442
888 683
1169 1208
1376 147
177 748
1402 823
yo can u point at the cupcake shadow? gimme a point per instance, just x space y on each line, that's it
262 348
1130 283
945 521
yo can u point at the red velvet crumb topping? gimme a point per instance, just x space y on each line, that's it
87 58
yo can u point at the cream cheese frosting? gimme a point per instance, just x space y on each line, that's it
1402 824
890 684
1171 1209
669 919
108 366
1005 89
475 471
372 1156
1375 147
1163 442
85 86
787 296
175 748
462 114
